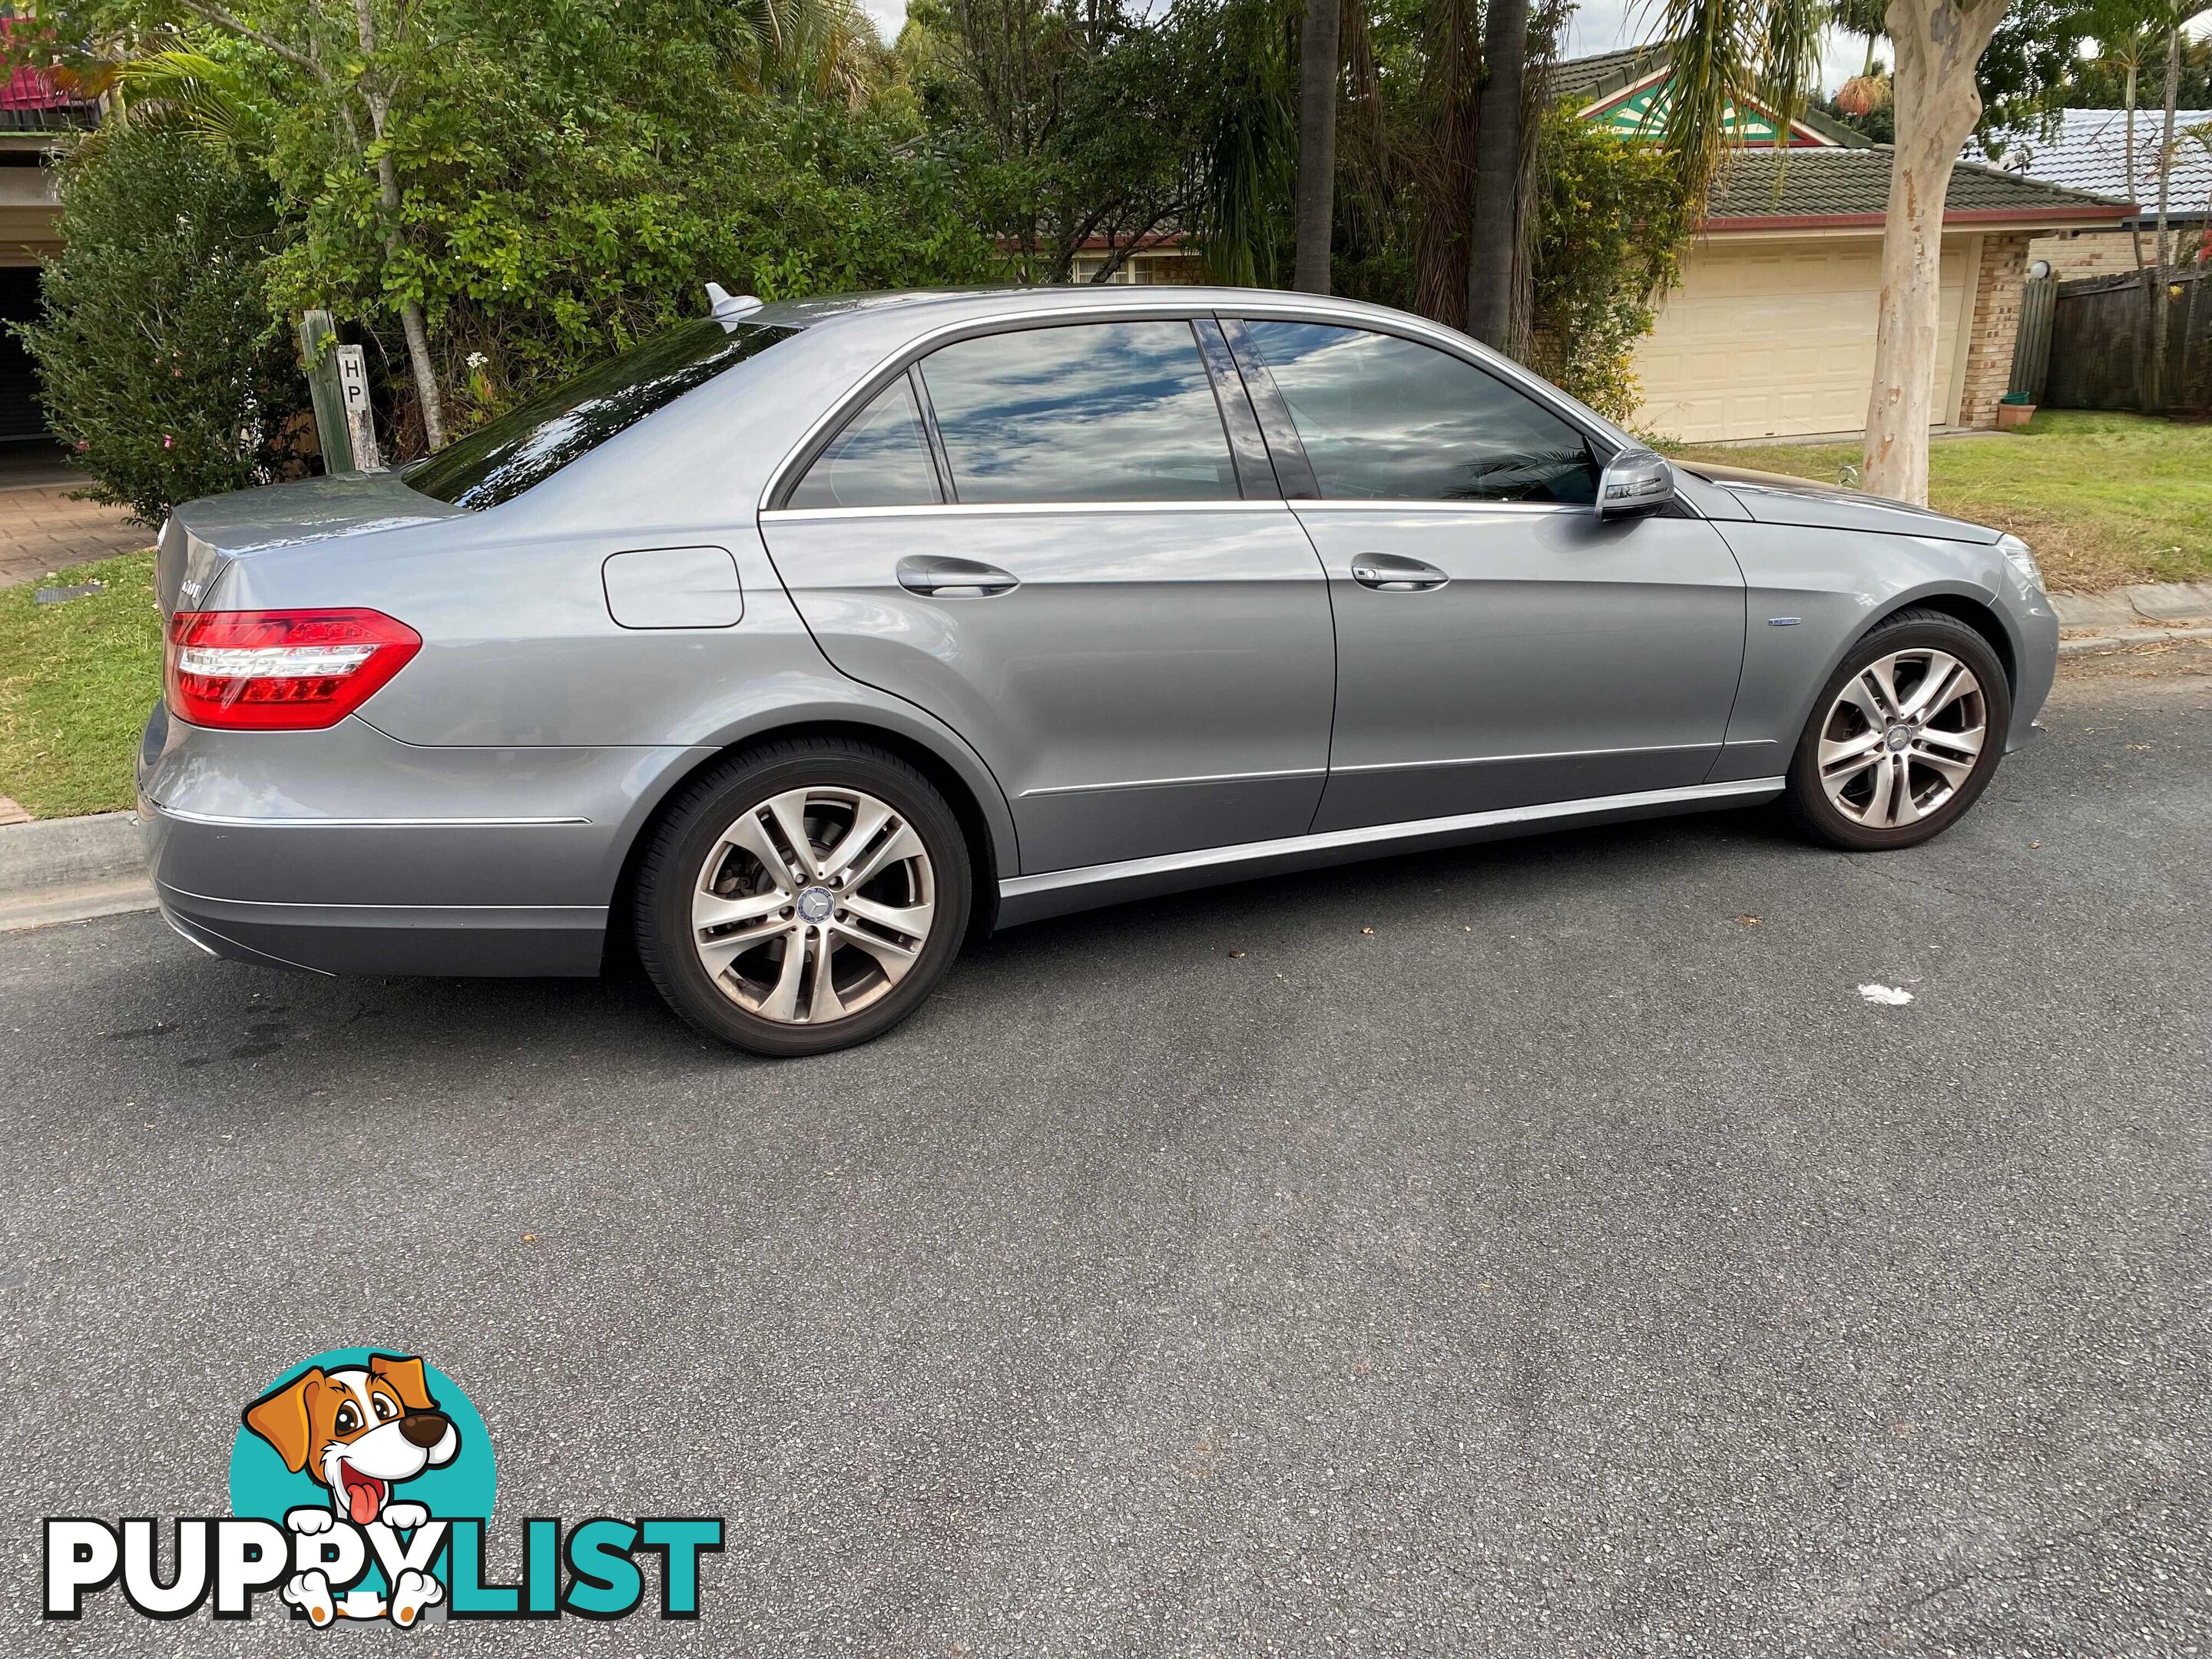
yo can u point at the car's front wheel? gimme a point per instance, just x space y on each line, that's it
803 897
1904 737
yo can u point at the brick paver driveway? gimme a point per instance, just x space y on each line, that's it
41 529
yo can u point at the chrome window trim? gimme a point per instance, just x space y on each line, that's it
1376 835
1216 305
1579 509
1013 509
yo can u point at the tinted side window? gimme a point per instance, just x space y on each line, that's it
880 459
1091 412
1387 419
498 460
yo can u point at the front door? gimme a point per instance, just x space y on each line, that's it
1497 645
1071 577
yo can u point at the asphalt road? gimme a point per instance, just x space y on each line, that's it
1540 1250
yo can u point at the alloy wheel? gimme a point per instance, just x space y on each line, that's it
1902 737
812 905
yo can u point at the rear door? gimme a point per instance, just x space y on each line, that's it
1044 538
1497 645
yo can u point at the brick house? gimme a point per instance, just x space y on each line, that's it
2088 149
35 115
1770 331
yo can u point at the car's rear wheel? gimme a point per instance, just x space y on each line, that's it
1904 737
803 897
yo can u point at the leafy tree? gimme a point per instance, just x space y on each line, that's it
2101 82
161 366
1611 229
1085 120
1727 49
565 177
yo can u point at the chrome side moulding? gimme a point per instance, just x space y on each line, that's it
1060 893
1175 783
224 821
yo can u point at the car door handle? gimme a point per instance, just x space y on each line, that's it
954 578
1387 572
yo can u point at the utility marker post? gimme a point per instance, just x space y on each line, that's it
360 418
338 385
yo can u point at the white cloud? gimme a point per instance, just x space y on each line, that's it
1609 25
1596 26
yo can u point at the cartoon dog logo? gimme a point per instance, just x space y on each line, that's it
361 1431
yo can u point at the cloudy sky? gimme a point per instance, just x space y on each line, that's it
1608 24
1597 26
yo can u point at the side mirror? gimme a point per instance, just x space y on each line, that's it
1635 482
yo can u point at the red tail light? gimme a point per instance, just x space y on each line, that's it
281 671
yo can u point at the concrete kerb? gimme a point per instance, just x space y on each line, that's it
66 869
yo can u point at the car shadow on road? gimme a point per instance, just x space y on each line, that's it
218 1018
1559 863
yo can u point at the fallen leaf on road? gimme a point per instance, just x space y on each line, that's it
1884 996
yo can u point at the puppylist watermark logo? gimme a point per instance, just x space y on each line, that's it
361 1484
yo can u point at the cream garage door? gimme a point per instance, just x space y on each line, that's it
1771 339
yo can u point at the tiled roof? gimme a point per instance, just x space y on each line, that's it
1854 184
2089 150
1590 78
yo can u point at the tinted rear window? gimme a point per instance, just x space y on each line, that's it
499 461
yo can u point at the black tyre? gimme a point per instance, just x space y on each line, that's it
1904 737
803 896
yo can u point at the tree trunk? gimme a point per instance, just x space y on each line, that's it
1491 242
2160 390
2128 99
1315 211
1937 44
427 395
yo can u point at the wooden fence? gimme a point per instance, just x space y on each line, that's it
2088 349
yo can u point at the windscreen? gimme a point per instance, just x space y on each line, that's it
500 460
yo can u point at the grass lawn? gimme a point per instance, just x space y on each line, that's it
77 681
2102 498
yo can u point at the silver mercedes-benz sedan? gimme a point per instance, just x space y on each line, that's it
806 640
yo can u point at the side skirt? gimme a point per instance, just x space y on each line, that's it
1061 892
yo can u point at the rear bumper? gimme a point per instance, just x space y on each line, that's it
348 852
519 941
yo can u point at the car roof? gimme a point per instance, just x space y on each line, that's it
920 310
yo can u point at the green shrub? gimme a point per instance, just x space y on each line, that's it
1611 227
162 366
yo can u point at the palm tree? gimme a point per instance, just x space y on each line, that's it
207 95
1314 212
807 51
1493 242
1731 49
